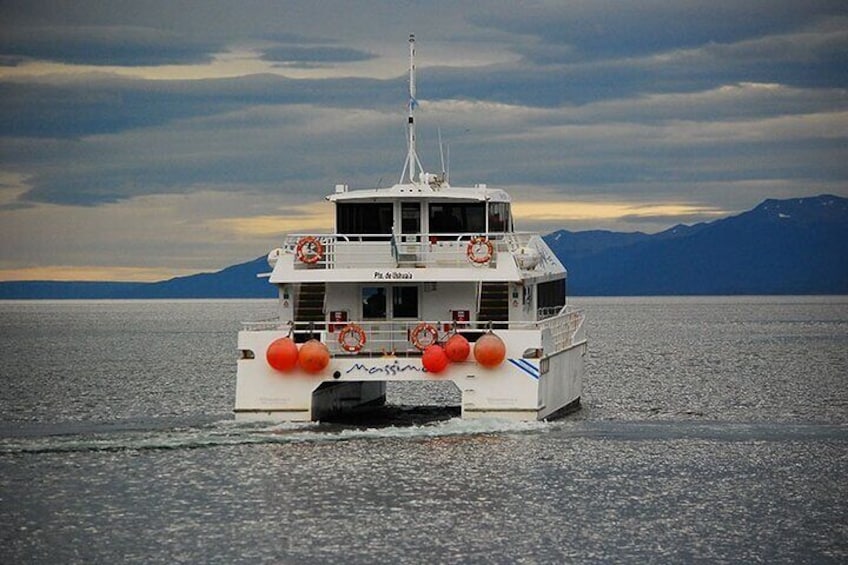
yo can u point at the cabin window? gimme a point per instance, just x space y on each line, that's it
410 217
499 217
371 218
373 303
405 302
456 218
403 299
551 295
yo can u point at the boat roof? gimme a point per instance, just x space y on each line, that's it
418 191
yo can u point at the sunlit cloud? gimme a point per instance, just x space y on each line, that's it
91 273
308 218
245 60
229 64
12 187
581 211
144 238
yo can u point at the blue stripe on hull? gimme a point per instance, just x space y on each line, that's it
526 366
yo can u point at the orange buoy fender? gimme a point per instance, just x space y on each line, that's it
457 348
434 359
490 350
282 354
314 356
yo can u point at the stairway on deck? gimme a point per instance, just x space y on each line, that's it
310 302
494 302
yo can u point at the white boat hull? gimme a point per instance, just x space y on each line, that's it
519 388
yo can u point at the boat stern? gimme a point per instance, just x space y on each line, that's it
524 385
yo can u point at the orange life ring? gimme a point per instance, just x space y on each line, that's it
416 336
360 338
475 244
309 249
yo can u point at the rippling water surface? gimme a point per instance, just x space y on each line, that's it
712 429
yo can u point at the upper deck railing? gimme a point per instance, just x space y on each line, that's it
452 250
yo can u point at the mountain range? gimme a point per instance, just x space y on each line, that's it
794 246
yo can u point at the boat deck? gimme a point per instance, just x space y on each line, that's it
393 338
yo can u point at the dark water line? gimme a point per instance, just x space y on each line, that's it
209 433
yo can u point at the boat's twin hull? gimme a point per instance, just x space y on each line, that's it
519 388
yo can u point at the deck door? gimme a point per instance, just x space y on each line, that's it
388 312
410 229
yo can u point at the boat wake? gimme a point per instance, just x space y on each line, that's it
401 423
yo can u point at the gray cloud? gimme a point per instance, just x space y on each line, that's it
112 45
602 29
108 105
664 143
294 55
265 148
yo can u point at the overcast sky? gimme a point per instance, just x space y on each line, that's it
146 139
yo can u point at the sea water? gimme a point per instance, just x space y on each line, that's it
712 430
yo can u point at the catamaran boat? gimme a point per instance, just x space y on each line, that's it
421 281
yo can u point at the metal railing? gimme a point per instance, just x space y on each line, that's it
563 327
401 250
384 337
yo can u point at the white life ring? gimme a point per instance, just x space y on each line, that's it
352 338
309 249
480 250
419 333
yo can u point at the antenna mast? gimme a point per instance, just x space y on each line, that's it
412 163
